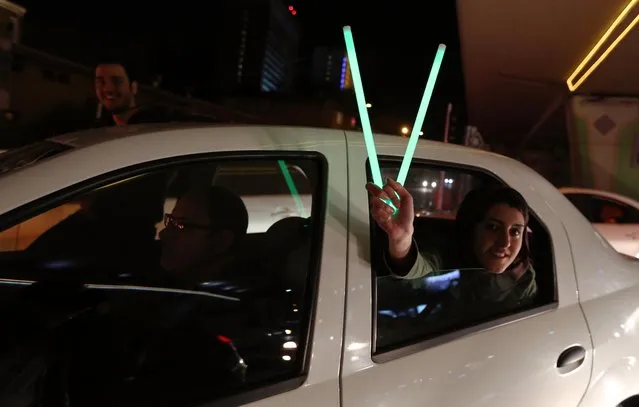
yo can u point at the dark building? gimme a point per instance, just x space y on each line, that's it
257 47
10 28
241 46
330 69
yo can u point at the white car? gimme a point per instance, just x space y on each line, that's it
615 216
312 317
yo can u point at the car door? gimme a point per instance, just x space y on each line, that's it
295 363
515 360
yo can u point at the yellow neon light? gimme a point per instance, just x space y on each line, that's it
572 86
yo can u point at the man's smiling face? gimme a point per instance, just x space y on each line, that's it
114 89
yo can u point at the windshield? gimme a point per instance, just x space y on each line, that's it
30 154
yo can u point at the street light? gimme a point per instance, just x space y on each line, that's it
368 105
405 130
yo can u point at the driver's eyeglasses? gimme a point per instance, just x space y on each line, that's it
171 221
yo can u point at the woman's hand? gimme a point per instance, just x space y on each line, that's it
397 225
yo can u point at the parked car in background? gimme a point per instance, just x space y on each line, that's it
615 216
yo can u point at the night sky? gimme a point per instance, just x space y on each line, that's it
396 43
396 40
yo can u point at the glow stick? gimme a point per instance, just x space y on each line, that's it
421 114
361 107
292 188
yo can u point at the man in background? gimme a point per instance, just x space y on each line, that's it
116 88
116 92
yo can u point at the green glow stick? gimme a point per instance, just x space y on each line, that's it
361 107
363 113
292 188
421 114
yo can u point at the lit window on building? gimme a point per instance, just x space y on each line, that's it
329 68
267 85
346 80
342 78
240 59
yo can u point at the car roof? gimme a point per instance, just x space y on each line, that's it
87 138
91 137
287 137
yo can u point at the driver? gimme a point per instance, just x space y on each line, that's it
201 233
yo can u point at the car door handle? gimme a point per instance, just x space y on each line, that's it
633 235
571 358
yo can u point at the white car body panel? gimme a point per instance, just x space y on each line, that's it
506 365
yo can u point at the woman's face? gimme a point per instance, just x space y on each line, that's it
498 237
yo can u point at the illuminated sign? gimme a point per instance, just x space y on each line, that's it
342 79
574 83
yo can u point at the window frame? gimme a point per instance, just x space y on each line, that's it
318 214
420 344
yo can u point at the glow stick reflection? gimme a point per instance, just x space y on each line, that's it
421 114
292 188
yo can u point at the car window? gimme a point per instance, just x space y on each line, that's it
450 298
438 192
106 311
271 190
269 193
266 179
606 210
599 209
275 190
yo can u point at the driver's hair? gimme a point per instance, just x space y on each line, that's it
226 210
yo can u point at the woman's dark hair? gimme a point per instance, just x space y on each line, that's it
473 210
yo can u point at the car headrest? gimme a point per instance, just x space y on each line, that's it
288 233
